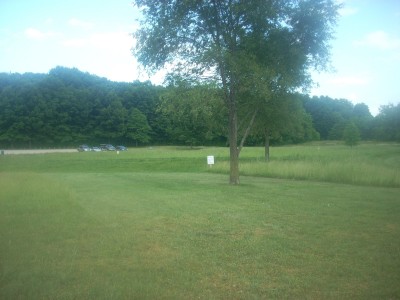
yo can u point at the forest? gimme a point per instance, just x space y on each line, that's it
68 107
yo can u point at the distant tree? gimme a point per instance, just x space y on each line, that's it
112 121
363 119
195 112
361 110
336 132
137 127
351 134
284 118
386 125
329 115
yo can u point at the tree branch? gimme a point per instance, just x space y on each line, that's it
246 133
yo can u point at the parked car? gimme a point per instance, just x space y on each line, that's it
83 148
121 148
107 147
96 149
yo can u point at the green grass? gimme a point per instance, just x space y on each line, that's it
158 223
367 164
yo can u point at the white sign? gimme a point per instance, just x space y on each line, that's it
210 160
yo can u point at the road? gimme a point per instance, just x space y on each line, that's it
38 151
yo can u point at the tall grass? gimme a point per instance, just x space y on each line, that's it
350 173
368 164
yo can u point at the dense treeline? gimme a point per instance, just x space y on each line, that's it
67 107
331 116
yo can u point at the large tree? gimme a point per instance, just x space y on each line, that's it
234 43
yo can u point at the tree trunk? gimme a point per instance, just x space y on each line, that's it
233 139
266 133
230 100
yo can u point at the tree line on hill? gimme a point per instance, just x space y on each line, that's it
67 107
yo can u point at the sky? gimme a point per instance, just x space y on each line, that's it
95 36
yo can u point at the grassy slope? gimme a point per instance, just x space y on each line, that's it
82 226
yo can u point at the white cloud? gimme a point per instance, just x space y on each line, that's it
118 42
80 24
112 40
36 34
75 43
349 80
348 11
106 54
381 40
49 21
353 97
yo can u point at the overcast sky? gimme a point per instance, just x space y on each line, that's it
94 36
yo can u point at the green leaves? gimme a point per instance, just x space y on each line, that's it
137 127
195 114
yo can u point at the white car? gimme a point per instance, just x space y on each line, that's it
83 148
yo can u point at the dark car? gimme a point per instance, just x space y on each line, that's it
83 148
121 148
107 147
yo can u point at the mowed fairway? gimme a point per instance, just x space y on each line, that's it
160 224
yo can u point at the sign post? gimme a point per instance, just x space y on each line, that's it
210 160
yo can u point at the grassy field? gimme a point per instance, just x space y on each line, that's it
158 223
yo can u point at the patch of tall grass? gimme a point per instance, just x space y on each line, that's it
368 164
360 174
